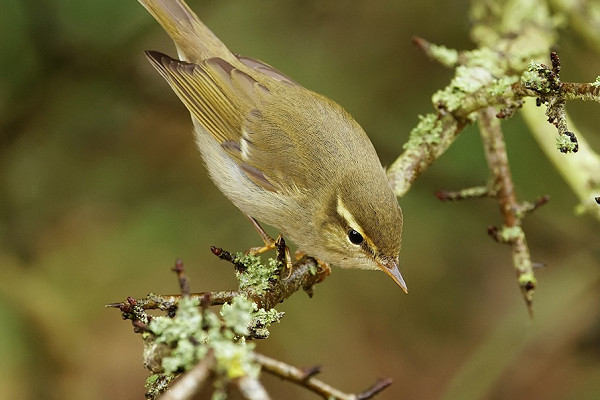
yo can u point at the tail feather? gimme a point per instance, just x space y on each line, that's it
194 41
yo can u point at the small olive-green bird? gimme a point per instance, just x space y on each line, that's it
281 153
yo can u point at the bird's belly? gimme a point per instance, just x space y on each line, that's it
272 208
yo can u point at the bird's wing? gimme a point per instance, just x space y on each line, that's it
231 106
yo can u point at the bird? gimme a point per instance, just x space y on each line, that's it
283 154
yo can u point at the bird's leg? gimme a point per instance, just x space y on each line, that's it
298 254
282 250
268 240
325 269
283 254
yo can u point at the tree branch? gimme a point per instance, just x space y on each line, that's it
504 191
306 379
493 81
204 344
305 273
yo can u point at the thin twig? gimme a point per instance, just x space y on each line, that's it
227 256
379 386
167 302
304 274
581 91
511 232
184 284
529 207
307 380
469 193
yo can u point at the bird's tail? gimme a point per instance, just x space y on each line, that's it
194 41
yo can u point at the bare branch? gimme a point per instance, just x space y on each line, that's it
511 231
379 386
463 194
306 379
305 273
184 284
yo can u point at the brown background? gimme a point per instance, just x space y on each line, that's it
101 189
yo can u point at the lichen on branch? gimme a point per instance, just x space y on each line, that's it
193 345
496 78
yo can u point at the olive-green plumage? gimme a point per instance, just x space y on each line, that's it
281 153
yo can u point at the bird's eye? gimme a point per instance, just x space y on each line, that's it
355 237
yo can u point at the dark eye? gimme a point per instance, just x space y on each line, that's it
355 237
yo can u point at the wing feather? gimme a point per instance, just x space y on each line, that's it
224 100
202 95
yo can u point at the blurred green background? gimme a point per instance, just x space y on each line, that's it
101 188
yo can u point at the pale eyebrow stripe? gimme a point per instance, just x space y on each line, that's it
343 212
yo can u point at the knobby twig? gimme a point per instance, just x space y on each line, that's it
436 132
501 188
304 275
469 193
184 284
305 378
504 191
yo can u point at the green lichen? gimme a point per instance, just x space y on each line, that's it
466 81
237 316
565 144
235 359
536 78
157 384
485 58
427 131
219 394
183 334
510 234
449 98
177 344
266 317
527 280
445 56
256 276
244 317
471 79
183 357
262 319
500 87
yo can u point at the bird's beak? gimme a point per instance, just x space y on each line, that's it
390 267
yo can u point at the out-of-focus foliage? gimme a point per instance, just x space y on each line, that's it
101 189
